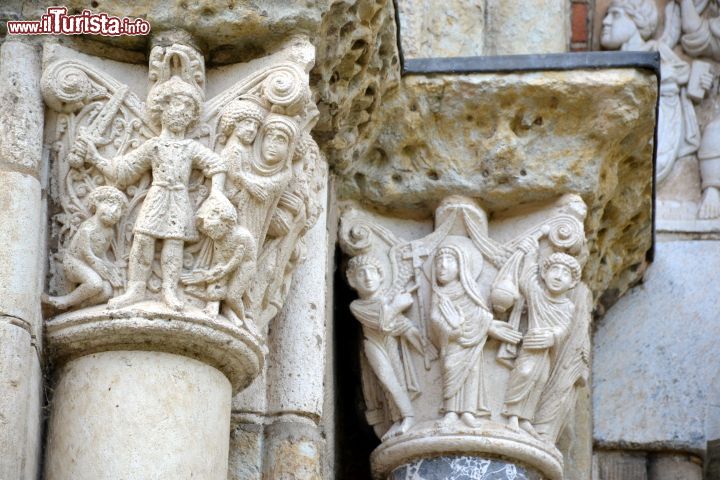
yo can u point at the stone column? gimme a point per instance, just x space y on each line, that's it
144 392
460 467
21 214
296 367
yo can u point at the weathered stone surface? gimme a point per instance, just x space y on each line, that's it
357 65
655 355
514 138
616 465
229 32
430 29
175 410
20 255
246 451
535 26
22 113
674 467
20 386
458 468
293 450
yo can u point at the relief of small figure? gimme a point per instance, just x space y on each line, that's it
234 254
85 262
550 314
261 178
387 335
166 214
463 322
239 123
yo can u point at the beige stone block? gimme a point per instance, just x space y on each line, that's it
675 467
20 383
431 29
119 413
526 27
246 451
618 465
20 248
293 450
22 113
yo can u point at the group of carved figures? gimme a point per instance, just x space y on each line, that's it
695 24
260 200
430 297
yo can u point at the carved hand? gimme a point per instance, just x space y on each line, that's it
539 339
504 332
706 80
453 317
193 278
257 191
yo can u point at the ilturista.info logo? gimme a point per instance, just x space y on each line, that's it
57 22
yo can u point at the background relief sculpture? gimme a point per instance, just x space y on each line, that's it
466 335
687 150
179 202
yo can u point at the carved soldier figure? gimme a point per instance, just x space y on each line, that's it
85 261
550 314
166 213
629 25
462 322
234 255
387 332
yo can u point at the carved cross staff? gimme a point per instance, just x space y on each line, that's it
417 252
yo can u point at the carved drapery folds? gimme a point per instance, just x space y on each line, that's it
177 207
471 344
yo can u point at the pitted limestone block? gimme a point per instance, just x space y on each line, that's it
508 139
655 357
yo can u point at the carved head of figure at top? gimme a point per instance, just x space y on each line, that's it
242 118
447 268
277 142
560 272
216 217
628 19
365 274
175 105
108 204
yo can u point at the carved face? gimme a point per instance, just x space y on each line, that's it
246 130
367 280
446 267
109 212
178 114
617 28
275 146
214 226
558 278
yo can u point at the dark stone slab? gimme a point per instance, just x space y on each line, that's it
462 468
529 63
